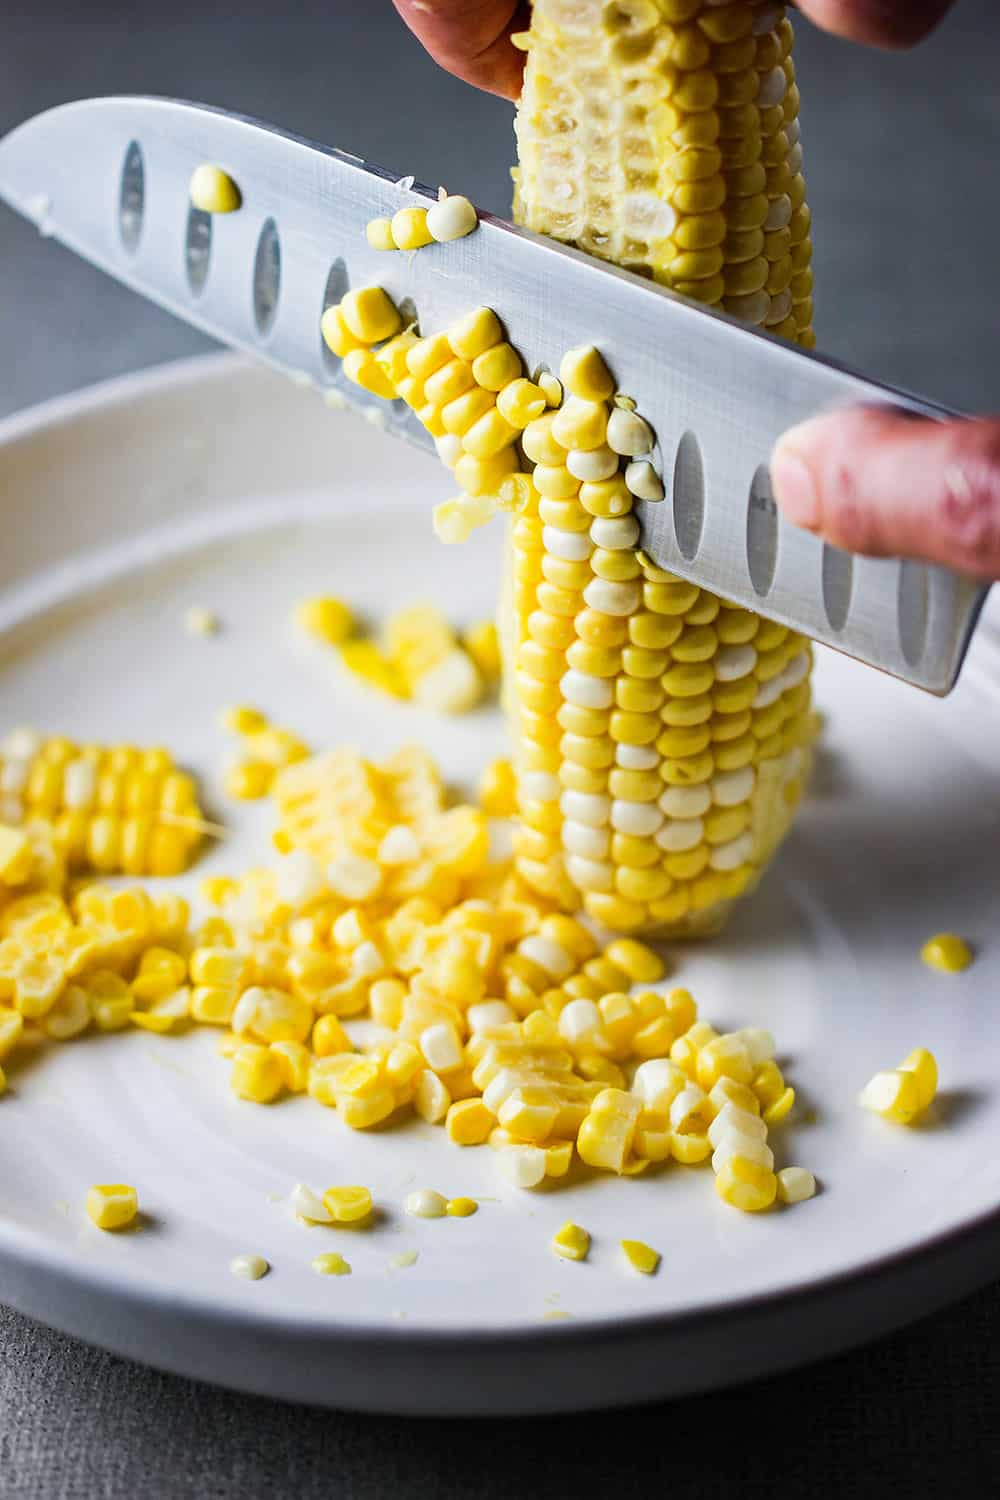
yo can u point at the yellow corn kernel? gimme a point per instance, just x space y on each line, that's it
16 856
746 1185
468 1122
893 1094
472 335
329 1037
947 953
336 335
112 1205
161 971
363 369
409 229
3 1081
370 315
325 617
378 233
213 1005
385 1001
331 1264
489 435
585 375
213 191
639 962
248 780
571 1242
256 1074
520 402
606 1135
348 1205
461 1208
360 1113
690 1148
497 367
642 1258
498 789
294 1061
923 1065
11 1030
403 1064
779 1110
481 643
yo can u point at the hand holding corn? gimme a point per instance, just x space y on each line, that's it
472 38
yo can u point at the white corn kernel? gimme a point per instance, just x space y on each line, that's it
592 464
586 691
614 533
441 1047
425 1203
642 480
628 433
795 1185
309 1205
451 218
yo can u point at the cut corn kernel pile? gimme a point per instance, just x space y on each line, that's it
419 657
499 1018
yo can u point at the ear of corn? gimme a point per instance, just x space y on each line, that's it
662 734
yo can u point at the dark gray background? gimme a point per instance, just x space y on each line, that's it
900 153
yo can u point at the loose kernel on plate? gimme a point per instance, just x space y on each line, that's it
947 953
331 1264
249 1267
461 1208
571 1242
641 1257
425 1203
309 1206
112 1205
900 1094
795 1185
348 1205
200 621
325 617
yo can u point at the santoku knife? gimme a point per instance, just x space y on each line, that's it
110 179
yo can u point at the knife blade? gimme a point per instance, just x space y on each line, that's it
109 178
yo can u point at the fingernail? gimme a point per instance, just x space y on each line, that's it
794 487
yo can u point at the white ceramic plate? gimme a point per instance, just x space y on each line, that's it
216 484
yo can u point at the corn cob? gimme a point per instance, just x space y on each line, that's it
112 809
659 773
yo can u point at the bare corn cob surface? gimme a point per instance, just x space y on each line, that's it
663 135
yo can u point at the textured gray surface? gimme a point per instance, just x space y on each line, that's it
907 211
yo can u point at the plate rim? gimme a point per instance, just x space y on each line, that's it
30 1251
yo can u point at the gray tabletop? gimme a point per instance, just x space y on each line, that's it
907 215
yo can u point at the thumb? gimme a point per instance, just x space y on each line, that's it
472 39
881 23
893 485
